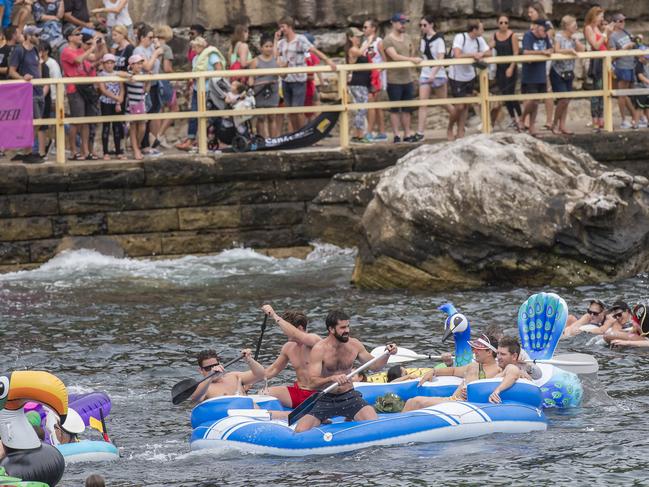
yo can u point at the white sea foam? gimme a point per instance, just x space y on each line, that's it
72 267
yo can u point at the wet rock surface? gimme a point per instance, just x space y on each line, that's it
502 210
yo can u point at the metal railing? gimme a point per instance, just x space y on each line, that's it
202 114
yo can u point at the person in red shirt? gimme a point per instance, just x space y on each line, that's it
78 62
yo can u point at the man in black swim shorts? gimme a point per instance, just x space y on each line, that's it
330 361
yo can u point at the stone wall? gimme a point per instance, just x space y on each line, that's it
166 207
190 205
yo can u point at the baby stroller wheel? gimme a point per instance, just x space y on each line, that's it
258 141
240 144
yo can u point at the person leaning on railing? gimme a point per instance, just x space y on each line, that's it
207 58
641 102
372 47
562 73
266 88
534 78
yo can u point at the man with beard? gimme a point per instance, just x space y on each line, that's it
331 360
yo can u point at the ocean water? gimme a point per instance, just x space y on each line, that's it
132 328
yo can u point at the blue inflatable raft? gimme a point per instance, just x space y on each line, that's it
88 451
233 423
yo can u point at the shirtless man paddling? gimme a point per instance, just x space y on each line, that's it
229 383
331 360
296 352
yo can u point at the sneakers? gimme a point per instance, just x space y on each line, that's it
418 136
396 139
380 137
151 152
33 159
361 140
156 144
626 125
413 138
642 124
163 142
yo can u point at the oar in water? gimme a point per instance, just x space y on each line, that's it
307 405
403 355
578 363
186 387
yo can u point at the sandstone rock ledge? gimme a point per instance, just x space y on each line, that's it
502 210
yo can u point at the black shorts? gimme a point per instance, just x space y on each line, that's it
534 88
462 89
401 92
347 404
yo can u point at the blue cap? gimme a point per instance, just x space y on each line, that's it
399 17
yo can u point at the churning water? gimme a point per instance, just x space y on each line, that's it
132 328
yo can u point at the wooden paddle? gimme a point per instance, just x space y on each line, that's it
184 389
307 405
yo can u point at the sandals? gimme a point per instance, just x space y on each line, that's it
76 157
92 157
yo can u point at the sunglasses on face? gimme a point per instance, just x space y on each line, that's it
618 315
593 312
503 22
208 368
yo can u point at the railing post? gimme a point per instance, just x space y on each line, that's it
344 115
202 121
485 113
607 83
59 133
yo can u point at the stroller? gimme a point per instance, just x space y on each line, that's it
235 131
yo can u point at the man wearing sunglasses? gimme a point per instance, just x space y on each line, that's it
594 315
228 383
641 325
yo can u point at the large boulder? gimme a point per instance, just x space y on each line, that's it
504 210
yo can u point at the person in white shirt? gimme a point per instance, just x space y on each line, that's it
432 79
462 77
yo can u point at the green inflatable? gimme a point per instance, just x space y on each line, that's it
7 481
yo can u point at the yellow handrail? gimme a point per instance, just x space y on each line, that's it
344 107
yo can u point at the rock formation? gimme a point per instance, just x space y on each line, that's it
502 210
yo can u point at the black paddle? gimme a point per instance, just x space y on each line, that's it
186 387
307 405
263 328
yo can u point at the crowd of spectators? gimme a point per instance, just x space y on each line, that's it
54 38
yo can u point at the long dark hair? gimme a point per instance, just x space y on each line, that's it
431 20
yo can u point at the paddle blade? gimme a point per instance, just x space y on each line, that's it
183 391
96 424
303 408
403 355
578 363
541 320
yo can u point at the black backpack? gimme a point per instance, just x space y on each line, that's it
427 51
449 54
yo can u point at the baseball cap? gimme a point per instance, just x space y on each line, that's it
541 22
71 29
108 57
621 305
135 58
31 30
399 17
617 17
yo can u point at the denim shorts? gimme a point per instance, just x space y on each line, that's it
624 74
294 93
559 83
